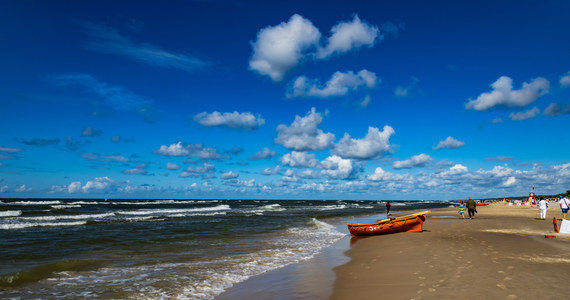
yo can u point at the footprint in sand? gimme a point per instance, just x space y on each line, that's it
431 290
507 278
511 296
510 267
501 272
502 286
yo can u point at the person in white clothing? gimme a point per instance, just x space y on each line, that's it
543 206
564 205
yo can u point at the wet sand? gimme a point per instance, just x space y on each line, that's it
500 254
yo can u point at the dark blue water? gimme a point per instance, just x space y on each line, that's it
192 249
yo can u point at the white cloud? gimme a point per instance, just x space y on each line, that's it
269 171
303 134
90 131
565 80
349 35
339 84
109 40
381 175
455 170
497 120
198 171
172 166
337 167
23 188
9 150
234 120
297 159
365 102
414 161
230 175
449 143
74 187
520 116
173 150
372 145
280 48
138 170
99 184
263 154
555 109
190 150
503 94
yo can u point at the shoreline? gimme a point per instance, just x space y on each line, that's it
500 254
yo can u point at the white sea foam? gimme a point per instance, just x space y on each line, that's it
10 213
33 202
65 206
163 212
40 224
68 217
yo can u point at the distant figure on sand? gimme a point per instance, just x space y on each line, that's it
471 206
543 206
388 207
564 205
462 209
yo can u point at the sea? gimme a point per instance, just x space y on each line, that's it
164 248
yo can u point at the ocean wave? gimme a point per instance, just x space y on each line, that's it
33 202
67 217
39 224
174 211
10 213
65 206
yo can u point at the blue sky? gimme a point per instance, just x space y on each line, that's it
284 100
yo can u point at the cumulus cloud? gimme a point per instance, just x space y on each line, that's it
565 80
374 144
382 175
190 150
244 120
198 170
346 36
414 161
229 175
269 171
172 166
109 40
303 133
336 167
339 84
504 95
520 116
99 184
555 109
177 149
263 154
299 160
449 143
280 48
74 187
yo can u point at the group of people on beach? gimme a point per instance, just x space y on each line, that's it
543 204
471 208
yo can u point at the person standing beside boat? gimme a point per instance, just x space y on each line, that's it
471 207
388 205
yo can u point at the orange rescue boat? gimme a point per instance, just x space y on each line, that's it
409 223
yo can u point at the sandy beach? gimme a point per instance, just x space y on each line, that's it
500 254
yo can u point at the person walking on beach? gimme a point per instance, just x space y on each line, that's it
543 206
388 207
462 209
564 205
471 207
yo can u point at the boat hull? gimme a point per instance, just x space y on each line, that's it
410 223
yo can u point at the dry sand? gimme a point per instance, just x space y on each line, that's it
500 254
